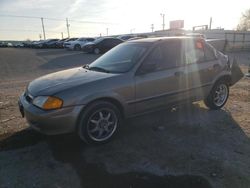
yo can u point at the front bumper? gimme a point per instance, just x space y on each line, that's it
50 122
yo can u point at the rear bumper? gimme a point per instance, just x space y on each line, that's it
50 122
236 73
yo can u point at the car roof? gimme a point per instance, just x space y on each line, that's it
156 39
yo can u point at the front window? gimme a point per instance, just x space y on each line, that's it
120 59
98 40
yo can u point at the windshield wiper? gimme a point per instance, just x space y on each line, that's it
99 69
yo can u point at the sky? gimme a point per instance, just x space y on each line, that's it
92 17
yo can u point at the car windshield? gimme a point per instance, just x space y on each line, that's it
98 40
120 59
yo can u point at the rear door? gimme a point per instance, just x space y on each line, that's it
201 66
160 86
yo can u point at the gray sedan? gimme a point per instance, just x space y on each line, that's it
131 79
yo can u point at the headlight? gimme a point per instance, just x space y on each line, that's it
48 102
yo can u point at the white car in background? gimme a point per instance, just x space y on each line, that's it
77 44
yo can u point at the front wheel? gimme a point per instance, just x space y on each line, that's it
77 47
96 51
99 122
218 96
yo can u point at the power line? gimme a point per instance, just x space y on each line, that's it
28 30
29 17
56 19
93 22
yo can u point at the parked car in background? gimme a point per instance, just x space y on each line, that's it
126 37
77 44
30 44
3 44
101 45
38 44
133 78
51 43
59 43
18 45
9 44
45 43
135 38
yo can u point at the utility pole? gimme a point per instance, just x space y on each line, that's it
163 21
107 31
67 24
152 28
210 23
44 37
62 34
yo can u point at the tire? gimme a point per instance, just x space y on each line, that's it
218 96
96 51
77 47
99 122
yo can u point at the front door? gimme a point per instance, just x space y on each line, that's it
161 85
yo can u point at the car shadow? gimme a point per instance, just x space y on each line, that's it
69 60
189 140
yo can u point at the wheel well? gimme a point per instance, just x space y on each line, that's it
107 99
77 45
225 78
113 101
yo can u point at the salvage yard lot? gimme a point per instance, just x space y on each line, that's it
187 146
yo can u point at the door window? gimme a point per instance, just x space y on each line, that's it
209 53
194 51
166 55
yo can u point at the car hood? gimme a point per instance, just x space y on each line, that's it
59 81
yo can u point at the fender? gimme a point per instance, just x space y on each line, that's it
126 109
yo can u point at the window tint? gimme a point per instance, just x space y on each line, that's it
121 58
172 53
194 51
103 42
109 42
90 39
115 41
166 55
209 53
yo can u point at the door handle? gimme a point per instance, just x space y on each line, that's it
179 73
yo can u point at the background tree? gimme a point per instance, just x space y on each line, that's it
244 24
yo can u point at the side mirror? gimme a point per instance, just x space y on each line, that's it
147 67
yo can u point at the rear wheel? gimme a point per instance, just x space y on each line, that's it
99 123
77 47
218 95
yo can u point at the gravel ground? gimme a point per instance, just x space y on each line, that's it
188 146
